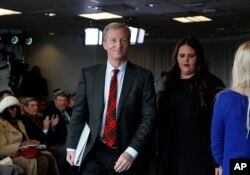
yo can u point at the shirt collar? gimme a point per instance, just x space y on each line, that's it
121 68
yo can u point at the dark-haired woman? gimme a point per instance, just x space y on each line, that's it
185 112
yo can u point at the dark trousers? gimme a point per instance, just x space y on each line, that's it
59 153
101 161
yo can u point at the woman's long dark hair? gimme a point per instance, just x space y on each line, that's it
197 81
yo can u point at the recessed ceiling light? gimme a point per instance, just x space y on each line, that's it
151 4
100 16
220 29
50 14
190 19
8 12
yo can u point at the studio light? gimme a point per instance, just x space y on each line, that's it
14 39
137 35
100 37
140 37
93 36
134 33
8 38
28 40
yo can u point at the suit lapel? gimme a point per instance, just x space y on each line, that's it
99 92
129 77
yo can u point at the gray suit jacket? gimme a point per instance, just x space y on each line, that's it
136 108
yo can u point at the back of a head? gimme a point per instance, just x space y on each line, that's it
241 66
36 70
4 93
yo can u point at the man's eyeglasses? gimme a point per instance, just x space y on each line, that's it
13 107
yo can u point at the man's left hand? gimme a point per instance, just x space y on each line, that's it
124 162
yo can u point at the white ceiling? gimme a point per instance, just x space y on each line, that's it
230 17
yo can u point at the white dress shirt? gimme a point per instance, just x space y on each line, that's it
120 78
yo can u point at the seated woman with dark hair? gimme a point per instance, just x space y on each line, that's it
4 93
13 136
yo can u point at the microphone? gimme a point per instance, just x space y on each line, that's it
161 76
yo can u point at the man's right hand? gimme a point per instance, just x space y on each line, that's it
46 123
70 157
54 120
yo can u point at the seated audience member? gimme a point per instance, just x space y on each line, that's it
22 102
60 115
57 90
4 93
58 109
13 136
43 104
72 100
37 128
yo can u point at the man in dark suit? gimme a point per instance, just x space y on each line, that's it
56 135
134 105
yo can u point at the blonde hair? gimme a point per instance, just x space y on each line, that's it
241 68
241 74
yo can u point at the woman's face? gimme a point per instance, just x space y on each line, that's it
13 111
187 59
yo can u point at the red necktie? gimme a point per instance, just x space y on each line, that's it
109 135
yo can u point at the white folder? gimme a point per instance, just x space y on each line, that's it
81 145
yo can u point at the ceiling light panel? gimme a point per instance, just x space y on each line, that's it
8 12
191 19
100 16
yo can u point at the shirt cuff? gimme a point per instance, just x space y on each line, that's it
45 131
70 149
132 152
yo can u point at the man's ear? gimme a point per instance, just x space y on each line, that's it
104 45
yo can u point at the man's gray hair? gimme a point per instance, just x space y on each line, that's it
115 25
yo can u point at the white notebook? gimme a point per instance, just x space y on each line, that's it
6 161
81 145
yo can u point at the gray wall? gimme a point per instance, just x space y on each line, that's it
61 58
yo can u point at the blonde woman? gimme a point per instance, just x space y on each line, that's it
230 125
